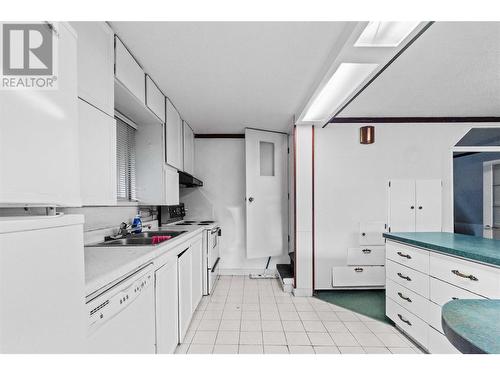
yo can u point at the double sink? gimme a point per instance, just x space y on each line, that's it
138 239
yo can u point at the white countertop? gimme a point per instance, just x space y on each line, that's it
104 265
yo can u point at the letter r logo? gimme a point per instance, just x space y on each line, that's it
27 49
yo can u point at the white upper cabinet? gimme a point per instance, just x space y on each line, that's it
95 64
128 72
188 149
174 138
155 100
97 136
171 186
39 136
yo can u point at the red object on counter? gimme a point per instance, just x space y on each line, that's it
159 239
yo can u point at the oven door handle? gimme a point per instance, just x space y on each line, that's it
215 265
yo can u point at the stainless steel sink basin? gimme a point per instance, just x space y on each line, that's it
140 239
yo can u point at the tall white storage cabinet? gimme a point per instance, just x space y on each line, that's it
39 136
42 285
415 206
167 307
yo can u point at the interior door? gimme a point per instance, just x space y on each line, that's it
428 206
402 205
266 193
491 199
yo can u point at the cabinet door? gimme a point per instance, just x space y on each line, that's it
402 206
155 100
188 149
95 64
39 136
171 185
184 266
128 72
196 250
173 137
167 308
97 136
428 206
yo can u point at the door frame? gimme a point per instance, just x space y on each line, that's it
450 221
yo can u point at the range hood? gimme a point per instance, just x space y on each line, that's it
186 180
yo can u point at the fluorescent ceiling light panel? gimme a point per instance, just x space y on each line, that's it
347 78
385 34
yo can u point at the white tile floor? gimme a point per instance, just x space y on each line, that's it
255 316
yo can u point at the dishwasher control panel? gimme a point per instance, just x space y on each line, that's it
118 297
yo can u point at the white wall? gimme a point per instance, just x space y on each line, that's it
220 164
351 180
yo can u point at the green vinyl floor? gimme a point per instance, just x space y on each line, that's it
367 302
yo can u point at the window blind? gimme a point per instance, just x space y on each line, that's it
125 160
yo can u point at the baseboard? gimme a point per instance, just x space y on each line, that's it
302 292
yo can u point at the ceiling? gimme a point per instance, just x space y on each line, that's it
225 76
452 70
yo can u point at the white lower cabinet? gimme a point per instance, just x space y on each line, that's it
197 263
167 309
185 282
421 282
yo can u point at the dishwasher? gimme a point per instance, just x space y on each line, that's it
121 318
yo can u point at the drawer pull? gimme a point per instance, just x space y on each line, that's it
358 269
407 256
404 320
470 277
404 277
366 251
403 297
454 298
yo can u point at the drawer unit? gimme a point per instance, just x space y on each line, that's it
411 301
358 276
412 257
441 292
366 256
439 344
409 278
408 322
474 277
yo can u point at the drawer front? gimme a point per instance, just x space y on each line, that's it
439 344
435 316
409 278
412 257
358 276
441 292
411 301
366 256
415 327
371 233
474 277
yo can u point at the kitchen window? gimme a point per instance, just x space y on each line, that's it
125 159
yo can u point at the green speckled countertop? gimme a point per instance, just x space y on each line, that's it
473 326
470 247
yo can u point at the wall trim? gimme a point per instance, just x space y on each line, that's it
405 120
220 135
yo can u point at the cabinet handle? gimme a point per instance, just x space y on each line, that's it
407 256
420 207
412 207
363 234
366 251
358 269
454 298
403 276
404 320
470 277
403 297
